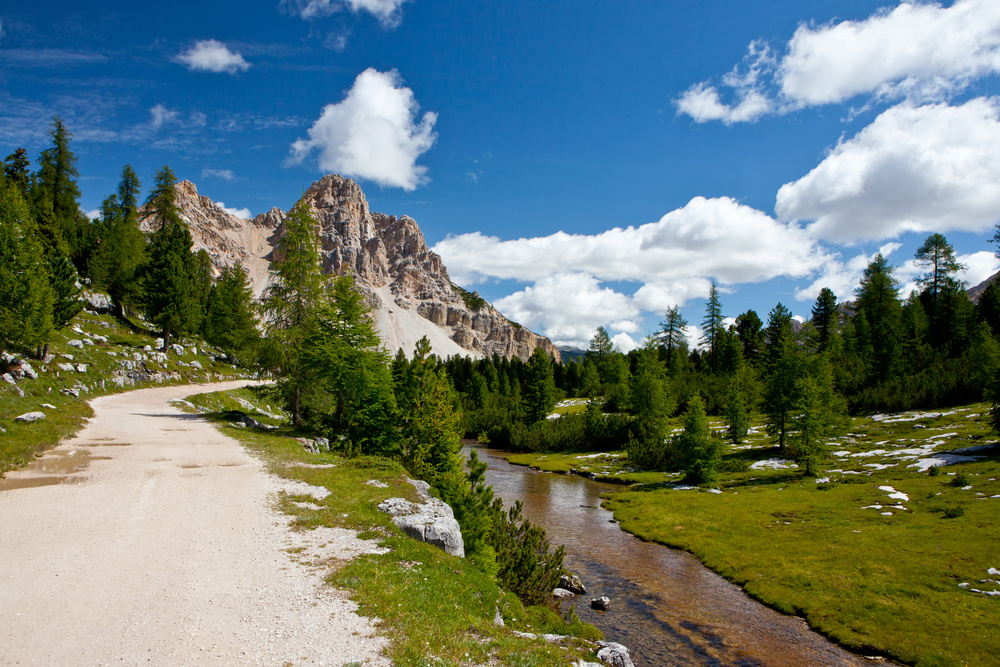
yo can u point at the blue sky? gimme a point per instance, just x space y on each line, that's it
577 163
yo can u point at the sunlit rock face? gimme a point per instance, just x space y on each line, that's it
406 284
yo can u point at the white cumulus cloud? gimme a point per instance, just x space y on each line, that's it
568 307
238 212
918 51
374 133
209 55
386 11
930 168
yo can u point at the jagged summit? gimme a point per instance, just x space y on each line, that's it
405 282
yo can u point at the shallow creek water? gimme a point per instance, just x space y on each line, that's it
665 605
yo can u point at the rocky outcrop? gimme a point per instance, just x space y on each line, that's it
405 283
614 654
431 521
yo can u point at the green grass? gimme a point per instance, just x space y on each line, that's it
23 442
875 583
435 608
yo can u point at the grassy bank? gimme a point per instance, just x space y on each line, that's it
436 609
74 375
872 553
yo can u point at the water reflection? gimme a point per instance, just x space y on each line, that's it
666 607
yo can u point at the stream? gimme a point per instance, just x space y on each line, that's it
666 607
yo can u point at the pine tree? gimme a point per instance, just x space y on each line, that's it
781 392
988 308
712 328
824 317
600 344
817 414
161 205
778 332
65 291
171 297
937 255
740 402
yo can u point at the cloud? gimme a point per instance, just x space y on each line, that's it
675 258
568 307
843 277
373 133
930 168
224 174
209 55
386 11
238 212
915 51
624 342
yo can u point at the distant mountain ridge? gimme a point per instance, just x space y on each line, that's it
405 283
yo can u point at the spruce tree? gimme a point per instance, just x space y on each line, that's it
938 256
540 389
824 317
55 189
878 297
172 300
16 169
749 329
230 314
778 332
700 453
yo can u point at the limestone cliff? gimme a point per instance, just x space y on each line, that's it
406 283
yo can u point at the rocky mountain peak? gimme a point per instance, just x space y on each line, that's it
405 283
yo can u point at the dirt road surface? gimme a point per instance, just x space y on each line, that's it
150 538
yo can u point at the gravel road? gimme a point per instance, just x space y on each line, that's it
151 538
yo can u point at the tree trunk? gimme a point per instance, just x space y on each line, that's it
166 339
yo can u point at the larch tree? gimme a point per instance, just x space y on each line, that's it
878 298
749 329
291 303
55 186
122 250
673 330
540 388
712 327
230 313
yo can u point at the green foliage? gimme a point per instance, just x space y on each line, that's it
121 249
749 329
699 452
712 328
825 317
527 566
172 295
740 403
55 190
600 344
26 296
539 390
673 330
230 313
65 291
817 415
472 300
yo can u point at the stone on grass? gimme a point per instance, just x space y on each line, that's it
562 593
17 390
70 392
29 417
75 343
603 603
614 654
65 367
196 364
432 521
178 349
158 343
8 378
48 406
81 368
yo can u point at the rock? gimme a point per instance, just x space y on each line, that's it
75 343
178 349
614 654
583 663
158 343
48 406
498 619
70 392
81 368
602 603
237 424
422 487
377 483
322 444
3 430
253 423
572 583
8 378
87 341
307 445
65 367
100 339
17 390
195 364
562 593
147 348
432 521
100 303
29 417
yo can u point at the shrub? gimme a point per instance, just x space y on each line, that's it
959 480
954 512
526 565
